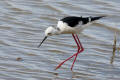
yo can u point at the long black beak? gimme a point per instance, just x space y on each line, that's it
42 41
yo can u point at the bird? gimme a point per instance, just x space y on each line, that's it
70 25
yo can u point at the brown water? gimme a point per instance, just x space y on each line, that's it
22 25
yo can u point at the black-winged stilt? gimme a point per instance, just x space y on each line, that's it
70 25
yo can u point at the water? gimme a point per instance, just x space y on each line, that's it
22 25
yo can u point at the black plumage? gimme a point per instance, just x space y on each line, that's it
72 21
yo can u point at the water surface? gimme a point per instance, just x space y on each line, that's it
22 25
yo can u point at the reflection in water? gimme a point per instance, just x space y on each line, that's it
22 25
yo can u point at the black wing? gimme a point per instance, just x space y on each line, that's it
72 21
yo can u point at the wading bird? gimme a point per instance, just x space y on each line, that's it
70 25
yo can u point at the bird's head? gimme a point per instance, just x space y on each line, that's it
49 32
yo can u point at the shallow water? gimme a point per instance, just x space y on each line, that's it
22 25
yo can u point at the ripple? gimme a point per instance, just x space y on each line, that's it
22 25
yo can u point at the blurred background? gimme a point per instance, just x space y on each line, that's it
22 25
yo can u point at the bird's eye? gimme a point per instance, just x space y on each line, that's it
49 33
58 29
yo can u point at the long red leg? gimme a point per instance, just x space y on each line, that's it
80 49
64 61
77 42
70 56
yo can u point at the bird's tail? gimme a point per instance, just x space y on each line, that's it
96 18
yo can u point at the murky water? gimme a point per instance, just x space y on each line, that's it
22 25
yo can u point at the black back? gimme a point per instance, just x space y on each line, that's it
72 21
